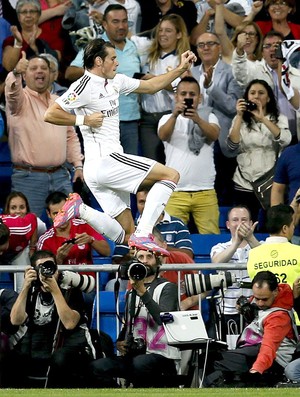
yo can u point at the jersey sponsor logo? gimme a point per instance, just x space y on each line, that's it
70 98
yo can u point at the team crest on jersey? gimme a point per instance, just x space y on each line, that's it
70 98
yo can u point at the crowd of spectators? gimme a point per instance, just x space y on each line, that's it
229 119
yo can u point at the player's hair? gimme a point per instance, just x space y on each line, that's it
95 48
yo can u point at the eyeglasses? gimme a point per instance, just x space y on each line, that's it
207 44
30 12
250 34
278 3
269 45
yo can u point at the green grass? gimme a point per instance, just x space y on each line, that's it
149 392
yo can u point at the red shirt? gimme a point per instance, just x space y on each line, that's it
21 230
79 254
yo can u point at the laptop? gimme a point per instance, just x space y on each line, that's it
184 328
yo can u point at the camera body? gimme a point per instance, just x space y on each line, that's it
134 270
195 284
135 346
71 241
188 103
247 309
250 106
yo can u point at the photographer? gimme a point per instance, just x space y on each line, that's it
145 357
56 337
268 342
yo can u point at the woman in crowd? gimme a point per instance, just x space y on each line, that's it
257 136
30 39
279 11
248 32
170 41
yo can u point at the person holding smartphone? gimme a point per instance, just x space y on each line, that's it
188 135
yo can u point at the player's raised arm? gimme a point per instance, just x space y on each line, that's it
159 82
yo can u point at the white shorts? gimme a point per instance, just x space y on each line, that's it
112 178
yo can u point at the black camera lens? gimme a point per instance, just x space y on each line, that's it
250 105
47 268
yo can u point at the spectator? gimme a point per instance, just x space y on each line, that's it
153 10
22 233
188 135
169 42
72 242
39 150
97 9
247 30
16 203
115 24
29 39
260 358
219 91
287 182
4 238
257 137
49 310
236 250
50 22
148 366
279 12
244 71
4 33
286 264
54 86
233 10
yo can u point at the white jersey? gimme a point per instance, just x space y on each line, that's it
94 94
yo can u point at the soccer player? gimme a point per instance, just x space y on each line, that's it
110 174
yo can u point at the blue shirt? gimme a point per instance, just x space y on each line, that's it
129 63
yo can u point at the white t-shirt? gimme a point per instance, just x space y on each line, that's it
91 94
190 166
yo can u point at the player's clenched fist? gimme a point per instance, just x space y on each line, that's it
94 120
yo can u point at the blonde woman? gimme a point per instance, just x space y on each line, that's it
170 41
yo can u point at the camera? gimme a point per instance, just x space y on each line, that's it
188 103
46 269
195 284
250 106
135 270
247 309
135 346
68 279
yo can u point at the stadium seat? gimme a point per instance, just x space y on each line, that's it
223 218
108 320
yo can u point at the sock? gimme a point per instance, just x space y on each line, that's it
156 201
102 223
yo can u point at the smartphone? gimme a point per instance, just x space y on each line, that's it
71 241
138 75
188 103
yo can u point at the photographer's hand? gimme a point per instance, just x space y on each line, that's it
122 347
138 286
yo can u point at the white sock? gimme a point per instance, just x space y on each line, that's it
156 201
102 223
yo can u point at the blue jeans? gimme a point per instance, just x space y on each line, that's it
38 185
129 136
292 370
